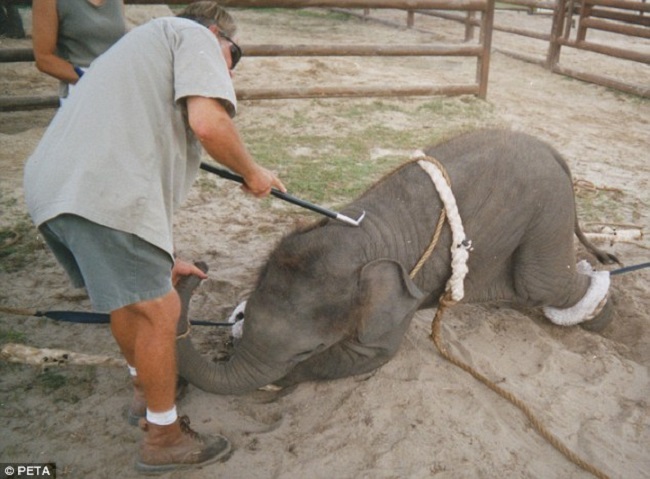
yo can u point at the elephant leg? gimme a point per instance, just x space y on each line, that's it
348 357
546 274
544 264
594 311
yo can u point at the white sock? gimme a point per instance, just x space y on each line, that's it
162 418
132 371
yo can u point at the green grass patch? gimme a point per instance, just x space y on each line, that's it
333 150
69 385
592 204
51 380
11 336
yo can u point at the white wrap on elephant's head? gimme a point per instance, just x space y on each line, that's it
236 318
590 305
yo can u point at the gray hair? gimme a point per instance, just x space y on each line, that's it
207 13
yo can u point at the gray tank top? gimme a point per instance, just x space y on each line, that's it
87 31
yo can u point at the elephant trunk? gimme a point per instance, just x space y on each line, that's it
241 374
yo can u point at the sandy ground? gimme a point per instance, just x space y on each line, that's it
418 416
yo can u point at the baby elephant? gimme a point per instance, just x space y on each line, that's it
335 300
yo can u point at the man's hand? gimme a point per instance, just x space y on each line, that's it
259 183
183 268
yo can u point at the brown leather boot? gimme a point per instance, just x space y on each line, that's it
173 447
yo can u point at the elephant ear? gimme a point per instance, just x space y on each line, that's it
387 300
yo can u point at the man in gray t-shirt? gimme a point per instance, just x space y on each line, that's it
117 160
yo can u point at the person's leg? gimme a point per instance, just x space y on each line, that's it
169 443
146 334
130 322
124 331
132 278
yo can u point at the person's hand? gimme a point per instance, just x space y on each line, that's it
183 268
261 181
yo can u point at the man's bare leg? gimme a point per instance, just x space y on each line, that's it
152 346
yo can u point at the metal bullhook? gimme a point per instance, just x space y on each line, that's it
287 197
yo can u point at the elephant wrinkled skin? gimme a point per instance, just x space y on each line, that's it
334 300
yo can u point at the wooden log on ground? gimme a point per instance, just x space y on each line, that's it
20 353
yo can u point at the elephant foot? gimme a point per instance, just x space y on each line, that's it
601 320
590 306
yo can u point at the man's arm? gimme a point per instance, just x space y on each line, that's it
216 131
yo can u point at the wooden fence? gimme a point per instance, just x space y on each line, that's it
480 52
624 17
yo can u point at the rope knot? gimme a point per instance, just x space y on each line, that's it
446 300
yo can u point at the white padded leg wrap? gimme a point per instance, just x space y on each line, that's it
589 305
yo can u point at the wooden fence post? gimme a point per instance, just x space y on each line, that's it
559 15
483 63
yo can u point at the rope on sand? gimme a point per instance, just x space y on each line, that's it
445 302
449 299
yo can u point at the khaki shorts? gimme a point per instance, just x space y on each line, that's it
117 268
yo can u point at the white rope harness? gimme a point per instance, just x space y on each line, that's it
461 246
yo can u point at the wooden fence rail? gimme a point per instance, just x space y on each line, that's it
624 17
471 23
610 19
480 52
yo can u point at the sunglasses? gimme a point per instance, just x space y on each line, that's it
235 51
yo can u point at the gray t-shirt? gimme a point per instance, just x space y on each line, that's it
119 152
86 31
